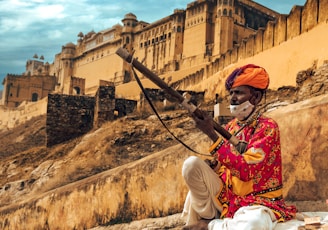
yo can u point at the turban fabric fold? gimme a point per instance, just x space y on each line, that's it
251 75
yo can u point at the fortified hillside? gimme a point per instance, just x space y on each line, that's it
118 142
30 170
190 45
186 39
103 176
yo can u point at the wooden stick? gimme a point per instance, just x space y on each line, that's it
124 54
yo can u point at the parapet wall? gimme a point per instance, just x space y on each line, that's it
11 117
294 52
71 116
68 117
105 105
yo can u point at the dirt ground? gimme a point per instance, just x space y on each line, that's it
125 140
28 167
23 151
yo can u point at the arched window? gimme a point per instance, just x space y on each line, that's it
225 12
127 41
76 90
35 97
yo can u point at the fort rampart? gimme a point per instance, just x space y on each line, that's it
68 117
10 117
292 43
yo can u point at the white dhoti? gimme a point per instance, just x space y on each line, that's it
204 184
255 217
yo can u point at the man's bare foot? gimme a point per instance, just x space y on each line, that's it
200 225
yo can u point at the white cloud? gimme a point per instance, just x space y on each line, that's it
49 12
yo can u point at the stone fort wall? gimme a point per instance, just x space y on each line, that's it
293 43
70 116
11 117
300 21
184 39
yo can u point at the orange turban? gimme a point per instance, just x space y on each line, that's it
251 75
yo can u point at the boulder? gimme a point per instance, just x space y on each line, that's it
304 132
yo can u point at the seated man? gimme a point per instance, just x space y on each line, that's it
243 188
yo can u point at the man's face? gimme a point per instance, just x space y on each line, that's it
240 94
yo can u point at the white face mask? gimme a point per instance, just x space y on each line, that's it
242 111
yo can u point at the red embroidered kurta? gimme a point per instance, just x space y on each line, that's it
254 177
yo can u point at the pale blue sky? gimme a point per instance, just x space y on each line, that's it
41 27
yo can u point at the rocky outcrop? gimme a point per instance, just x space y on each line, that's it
150 187
304 132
